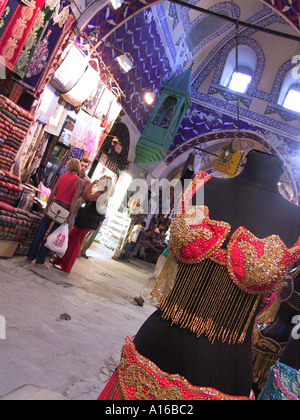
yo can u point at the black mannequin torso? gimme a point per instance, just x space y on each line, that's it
251 200
291 354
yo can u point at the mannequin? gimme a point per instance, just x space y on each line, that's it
251 200
291 354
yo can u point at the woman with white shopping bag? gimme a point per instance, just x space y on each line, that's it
58 241
87 219
61 205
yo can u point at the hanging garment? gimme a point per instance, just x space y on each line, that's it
80 130
47 105
90 105
106 99
112 114
49 44
70 71
53 63
93 136
18 30
34 38
83 89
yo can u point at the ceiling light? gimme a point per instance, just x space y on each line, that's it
292 100
149 98
116 3
126 62
240 82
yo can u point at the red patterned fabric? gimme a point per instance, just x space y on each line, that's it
3 4
17 31
255 265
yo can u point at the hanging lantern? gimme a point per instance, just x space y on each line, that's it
126 62
116 3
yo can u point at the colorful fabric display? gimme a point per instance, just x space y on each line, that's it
18 30
14 123
34 37
48 46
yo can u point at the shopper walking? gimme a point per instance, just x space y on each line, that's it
85 166
133 238
64 193
102 205
83 225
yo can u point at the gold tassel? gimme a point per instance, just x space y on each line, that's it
265 353
203 298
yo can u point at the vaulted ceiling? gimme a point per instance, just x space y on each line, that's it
165 38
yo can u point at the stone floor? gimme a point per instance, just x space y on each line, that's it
64 332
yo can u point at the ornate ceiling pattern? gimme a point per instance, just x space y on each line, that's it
164 40
107 18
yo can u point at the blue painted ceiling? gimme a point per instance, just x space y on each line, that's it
163 41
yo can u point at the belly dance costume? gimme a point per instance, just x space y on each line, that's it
206 289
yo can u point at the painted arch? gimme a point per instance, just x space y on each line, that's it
106 19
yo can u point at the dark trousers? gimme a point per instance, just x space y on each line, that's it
34 247
129 249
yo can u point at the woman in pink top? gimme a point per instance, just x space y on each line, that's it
65 192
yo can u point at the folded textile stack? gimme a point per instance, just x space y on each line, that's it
14 124
13 227
35 221
10 190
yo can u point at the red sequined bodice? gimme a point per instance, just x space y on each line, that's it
255 265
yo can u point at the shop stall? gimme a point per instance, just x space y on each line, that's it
55 104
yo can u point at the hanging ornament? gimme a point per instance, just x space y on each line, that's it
229 161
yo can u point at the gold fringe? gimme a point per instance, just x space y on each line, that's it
265 353
203 298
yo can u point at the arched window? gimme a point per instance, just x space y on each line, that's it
238 77
289 96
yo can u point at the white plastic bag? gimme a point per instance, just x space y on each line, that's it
58 240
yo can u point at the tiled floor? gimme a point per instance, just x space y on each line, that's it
45 356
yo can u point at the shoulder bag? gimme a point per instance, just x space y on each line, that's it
56 212
88 217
